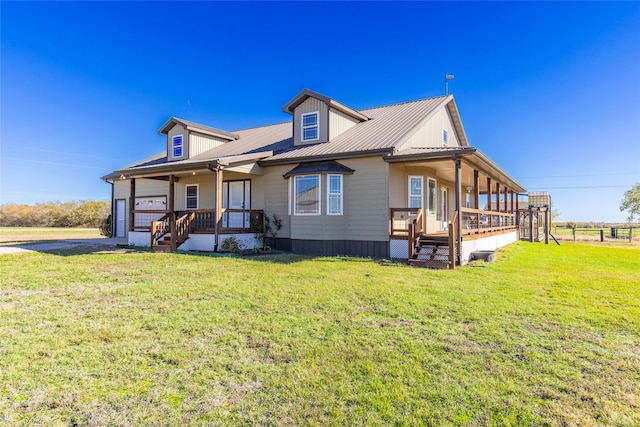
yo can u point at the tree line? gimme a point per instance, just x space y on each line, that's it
83 213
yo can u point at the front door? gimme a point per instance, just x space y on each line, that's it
444 207
119 222
236 197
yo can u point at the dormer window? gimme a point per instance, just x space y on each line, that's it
445 138
310 126
176 144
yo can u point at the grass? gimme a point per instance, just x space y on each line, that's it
21 235
545 335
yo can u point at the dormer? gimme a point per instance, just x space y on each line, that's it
187 139
318 118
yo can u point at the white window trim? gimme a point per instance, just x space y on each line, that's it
341 194
295 192
186 196
445 142
290 194
421 191
303 127
435 194
173 139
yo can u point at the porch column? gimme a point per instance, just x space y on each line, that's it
476 195
458 224
132 203
172 211
218 172
489 195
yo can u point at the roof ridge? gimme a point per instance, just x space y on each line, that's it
404 102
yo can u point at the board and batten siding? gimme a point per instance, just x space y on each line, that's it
177 129
430 133
339 122
309 106
144 188
277 188
199 143
365 206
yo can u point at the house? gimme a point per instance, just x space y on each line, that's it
397 181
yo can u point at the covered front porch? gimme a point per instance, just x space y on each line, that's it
457 202
194 209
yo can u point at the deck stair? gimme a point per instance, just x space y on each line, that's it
162 239
431 251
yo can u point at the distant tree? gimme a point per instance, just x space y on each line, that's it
631 202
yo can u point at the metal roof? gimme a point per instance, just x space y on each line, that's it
196 127
387 128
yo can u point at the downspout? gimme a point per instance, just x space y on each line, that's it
113 208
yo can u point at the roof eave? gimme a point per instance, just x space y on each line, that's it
333 156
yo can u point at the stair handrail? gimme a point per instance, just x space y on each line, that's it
160 228
184 226
414 232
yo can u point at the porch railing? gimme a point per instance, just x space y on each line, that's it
402 218
477 221
160 228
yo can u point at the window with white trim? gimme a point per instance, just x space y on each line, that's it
415 191
191 194
431 196
445 138
310 126
176 145
306 190
334 194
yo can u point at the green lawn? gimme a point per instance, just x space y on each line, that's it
545 335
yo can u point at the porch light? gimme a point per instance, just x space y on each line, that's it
469 188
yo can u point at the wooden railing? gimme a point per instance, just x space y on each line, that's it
401 218
184 226
142 219
414 231
160 228
477 221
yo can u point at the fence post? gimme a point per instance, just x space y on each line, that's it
601 235
630 234
573 231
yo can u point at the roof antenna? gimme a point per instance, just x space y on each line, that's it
447 77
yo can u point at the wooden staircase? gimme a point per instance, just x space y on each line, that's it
163 232
431 251
435 250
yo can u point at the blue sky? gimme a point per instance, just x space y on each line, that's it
550 91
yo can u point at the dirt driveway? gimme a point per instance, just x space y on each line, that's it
93 244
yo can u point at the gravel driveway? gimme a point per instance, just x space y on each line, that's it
95 244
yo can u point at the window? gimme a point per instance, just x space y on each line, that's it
445 138
307 195
334 194
310 126
415 191
192 197
431 196
176 144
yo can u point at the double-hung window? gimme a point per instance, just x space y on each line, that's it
176 144
445 138
310 126
307 195
415 191
192 196
431 196
334 194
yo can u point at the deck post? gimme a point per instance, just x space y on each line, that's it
172 212
132 202
218 171
476 195
530 224
458 223
410 237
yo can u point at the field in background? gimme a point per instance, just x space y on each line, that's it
545 335
20 235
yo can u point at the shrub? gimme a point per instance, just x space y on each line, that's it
232 244
105 226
